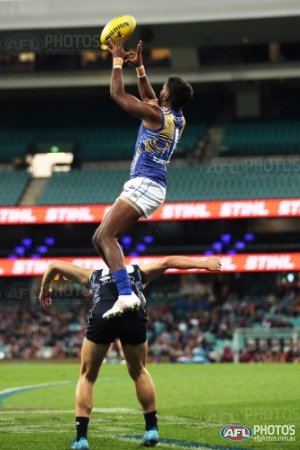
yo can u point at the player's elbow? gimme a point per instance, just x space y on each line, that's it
53 265
113 93
166 262
118 97
116 93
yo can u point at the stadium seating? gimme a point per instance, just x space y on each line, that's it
84 186
99 129
200 330
186 182
91 143
233 181
12 185
191 136
261 137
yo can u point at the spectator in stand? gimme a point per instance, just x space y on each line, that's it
171 327
227 355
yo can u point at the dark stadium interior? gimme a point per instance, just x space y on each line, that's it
158 238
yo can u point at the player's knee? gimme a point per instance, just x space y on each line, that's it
90 377
95 240
84 405
100 237
135 372
89 374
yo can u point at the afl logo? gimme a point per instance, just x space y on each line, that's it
236 433
21 42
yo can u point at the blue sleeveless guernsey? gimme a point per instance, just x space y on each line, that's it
154 148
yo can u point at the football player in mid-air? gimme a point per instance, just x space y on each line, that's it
130 328
161 128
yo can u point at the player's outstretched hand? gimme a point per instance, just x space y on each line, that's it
214 264
116 48
45 297
136 59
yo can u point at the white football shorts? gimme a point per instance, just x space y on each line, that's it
144 195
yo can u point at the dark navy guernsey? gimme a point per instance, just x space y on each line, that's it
154 148
104 288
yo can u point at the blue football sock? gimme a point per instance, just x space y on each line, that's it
123 283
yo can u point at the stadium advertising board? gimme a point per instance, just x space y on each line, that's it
275 262
233 209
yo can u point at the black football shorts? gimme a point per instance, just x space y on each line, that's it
130 327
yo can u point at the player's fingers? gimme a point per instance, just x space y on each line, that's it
129 56
110 44
119 39
140 48
43 303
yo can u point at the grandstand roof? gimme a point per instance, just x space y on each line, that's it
16 14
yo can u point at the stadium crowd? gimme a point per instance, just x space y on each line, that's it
193 324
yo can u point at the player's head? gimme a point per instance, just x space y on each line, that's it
177 92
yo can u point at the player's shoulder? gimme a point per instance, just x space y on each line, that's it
176 115
153 104
132 268
99 274
135 271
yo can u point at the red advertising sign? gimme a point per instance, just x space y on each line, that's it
275 262
235 209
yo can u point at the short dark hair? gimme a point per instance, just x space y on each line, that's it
181 92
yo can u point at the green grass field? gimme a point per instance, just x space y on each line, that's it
194 403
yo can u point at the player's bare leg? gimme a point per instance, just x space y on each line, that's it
121 216
92 356
135 356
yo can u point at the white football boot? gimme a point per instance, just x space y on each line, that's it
124 303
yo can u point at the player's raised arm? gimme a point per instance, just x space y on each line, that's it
145 89
149 113
158 267
66 270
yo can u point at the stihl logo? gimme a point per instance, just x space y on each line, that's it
69 215
244 209
267 262
184 211
16 215
289 208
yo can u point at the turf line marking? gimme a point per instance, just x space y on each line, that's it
112 410
19 390
185 444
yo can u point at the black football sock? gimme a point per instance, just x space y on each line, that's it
82 424
150 420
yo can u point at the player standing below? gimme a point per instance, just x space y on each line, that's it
130 328
161 128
